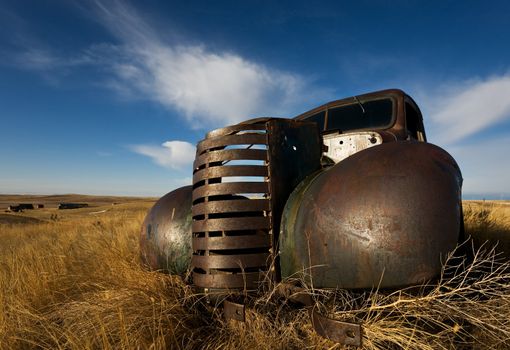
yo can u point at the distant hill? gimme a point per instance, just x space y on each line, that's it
52 201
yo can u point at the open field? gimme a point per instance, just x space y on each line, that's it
71 279
50 213
489 221
52 201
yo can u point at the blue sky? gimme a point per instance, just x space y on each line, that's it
110 97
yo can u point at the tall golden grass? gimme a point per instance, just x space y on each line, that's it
76 283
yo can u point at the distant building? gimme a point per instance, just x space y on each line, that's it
72 205
40 206
20 207
14 208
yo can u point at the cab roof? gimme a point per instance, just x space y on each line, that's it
354 99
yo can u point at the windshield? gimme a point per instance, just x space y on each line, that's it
375 114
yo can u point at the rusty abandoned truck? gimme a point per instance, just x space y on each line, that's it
348 195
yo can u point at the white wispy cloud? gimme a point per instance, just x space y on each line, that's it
34 58
209 88
178 155
462 109
44 59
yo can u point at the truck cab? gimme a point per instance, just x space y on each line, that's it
352 124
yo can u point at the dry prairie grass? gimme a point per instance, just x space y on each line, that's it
76 283
489 221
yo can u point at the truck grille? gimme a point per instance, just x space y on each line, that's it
242 176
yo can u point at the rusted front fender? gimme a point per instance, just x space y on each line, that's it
382 217
165 238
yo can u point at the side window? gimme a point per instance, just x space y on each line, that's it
413 123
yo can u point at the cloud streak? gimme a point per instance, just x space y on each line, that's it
467 108
177 155
43 59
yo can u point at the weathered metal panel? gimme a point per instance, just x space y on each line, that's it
230 261
382 217
341 146
232 170
254 124
295 151
165 238
246 280
229 140
218 189
229 154
233 242
232 224
231 206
